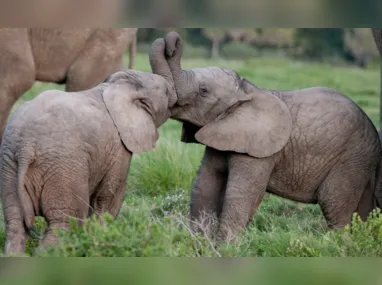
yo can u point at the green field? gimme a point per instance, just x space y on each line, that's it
153 219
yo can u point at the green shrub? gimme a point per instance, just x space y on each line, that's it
134 234
361 238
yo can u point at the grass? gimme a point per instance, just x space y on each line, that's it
153 219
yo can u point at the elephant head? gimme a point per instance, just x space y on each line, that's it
138 102
220 109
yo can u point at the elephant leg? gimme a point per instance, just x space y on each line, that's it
132 52
108 199
247 182
63 199
368 201
109 195
343 192
16 235
207 190
17 75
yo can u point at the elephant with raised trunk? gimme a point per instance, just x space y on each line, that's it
67 154
312 145
79 58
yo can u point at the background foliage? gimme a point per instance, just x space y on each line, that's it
336 45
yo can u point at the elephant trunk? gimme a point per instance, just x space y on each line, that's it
160 67
174 50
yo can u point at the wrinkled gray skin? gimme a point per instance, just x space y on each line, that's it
79 58
67 154
311 145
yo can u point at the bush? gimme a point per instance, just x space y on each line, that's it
238 50
362 238
135 234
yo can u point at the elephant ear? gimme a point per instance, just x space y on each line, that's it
259 127
128 109
188 133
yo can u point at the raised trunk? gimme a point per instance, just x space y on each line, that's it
174 50
160 66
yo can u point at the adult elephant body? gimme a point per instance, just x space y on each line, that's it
79 58
312 145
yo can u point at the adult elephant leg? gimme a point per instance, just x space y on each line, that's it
247 182
132 52
17 70
207 190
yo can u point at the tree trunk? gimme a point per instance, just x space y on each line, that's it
215 48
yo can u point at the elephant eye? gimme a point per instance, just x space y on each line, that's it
203 90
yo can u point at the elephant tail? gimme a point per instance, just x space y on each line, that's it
25 199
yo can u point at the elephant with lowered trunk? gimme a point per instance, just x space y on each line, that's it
312 145
67 154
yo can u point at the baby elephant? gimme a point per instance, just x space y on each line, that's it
67 154
312 145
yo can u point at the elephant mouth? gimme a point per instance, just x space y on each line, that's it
188 123
176 111
181 116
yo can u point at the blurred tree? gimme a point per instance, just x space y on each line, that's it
236 34
361 45
274 37
355 45
269 37
318 43
240 35
196 37
216 36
